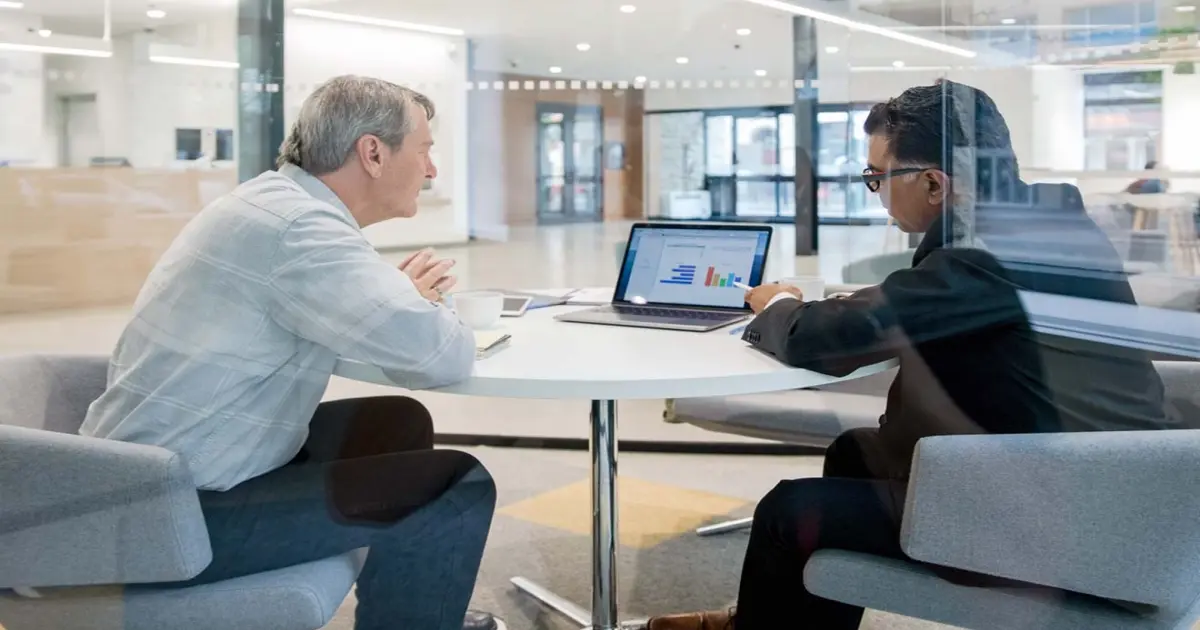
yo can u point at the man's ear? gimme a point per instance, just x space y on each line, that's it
370 154
937 185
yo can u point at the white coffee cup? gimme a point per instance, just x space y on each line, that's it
479 309
812 287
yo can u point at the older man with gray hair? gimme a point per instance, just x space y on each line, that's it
234 338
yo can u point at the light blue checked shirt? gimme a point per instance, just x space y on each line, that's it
238 327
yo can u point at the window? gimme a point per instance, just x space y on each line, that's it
189 144
225 144
1111 24
1122 119
841 158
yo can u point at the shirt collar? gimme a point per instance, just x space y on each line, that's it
316 188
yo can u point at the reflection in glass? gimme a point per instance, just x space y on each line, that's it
834 145
756 198
757 146
787 144
719 145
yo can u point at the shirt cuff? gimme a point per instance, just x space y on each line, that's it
779 297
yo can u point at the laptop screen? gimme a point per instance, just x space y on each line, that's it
688 266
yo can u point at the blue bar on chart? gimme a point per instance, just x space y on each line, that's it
681 274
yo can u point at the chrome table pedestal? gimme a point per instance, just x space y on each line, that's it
603 615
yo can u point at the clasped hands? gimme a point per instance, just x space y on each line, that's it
430 275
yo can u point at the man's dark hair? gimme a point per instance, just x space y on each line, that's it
925 124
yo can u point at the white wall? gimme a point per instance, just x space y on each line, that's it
142 103
22 100
1181 121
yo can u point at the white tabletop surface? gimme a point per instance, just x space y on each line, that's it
549 359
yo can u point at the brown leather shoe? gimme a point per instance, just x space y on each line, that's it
722 620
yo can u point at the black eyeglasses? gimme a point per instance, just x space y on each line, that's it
874 179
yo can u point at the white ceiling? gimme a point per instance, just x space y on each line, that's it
529 36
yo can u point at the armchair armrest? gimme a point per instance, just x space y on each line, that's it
1109 514
76 511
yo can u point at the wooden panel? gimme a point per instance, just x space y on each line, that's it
84 237
504 128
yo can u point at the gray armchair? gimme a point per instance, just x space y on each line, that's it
88 526
1105 523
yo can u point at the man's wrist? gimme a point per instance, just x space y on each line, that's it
779 297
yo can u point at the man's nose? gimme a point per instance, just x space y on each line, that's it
431 171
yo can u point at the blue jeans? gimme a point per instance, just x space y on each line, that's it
367 477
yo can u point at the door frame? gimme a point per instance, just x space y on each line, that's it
568 214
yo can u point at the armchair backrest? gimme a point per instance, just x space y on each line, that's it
78 510
1112 514
50 392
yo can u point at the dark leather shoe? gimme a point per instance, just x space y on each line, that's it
476 620
722 620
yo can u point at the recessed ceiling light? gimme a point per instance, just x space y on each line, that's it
583 46
639 79
681 60
1008 21
897 64
156 14
555 70
11 4
1185 8
743 31
833 50
45 32
760 73
628 8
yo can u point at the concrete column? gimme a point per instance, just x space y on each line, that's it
804 106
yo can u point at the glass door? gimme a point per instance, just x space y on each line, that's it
841 158
570 176
757 165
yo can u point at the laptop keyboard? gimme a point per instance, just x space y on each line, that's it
670 313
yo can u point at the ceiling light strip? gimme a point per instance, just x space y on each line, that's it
11 4
370 21
192 61
855 25
56 50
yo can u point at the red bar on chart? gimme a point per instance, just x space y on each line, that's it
709 280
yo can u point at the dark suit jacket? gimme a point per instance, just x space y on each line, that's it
969 360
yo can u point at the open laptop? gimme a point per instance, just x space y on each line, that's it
681 276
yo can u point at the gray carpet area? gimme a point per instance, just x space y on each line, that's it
681 573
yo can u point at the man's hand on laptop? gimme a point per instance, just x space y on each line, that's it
759 298
430 275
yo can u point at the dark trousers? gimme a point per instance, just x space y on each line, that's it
848 510
367 477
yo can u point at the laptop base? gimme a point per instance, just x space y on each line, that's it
669 319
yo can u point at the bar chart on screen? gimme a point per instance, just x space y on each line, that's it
714 279
681 274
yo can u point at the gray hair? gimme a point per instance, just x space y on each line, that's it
343 110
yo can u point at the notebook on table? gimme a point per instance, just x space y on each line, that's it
489 342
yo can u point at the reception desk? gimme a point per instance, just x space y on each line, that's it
72 238
80 237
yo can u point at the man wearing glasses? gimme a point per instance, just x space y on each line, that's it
941 159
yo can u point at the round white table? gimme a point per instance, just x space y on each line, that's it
549 359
